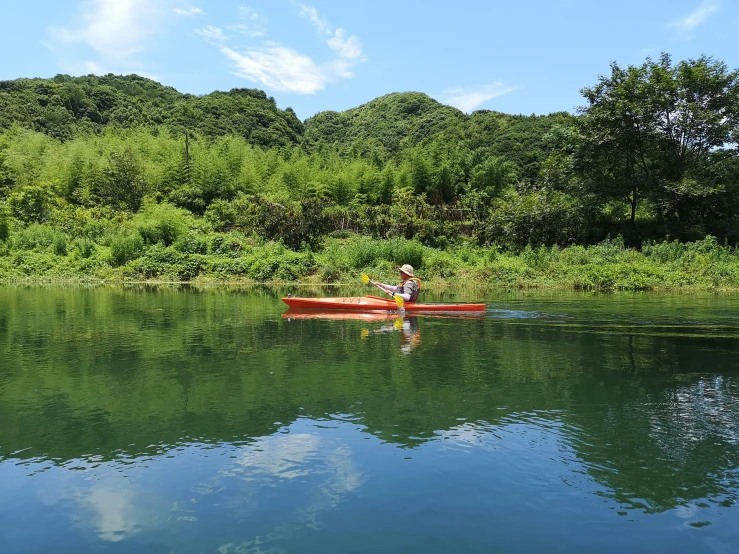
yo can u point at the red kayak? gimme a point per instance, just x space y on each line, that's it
375 303
370 316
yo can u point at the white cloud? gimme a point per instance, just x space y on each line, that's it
189 11
115 31
349 48
212 34
470 98
689 22
284 457
280 68
312 15
346 47
254 25
115 513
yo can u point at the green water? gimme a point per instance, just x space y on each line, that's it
185 421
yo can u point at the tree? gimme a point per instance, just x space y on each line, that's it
492 176
123 185
33 203
649 132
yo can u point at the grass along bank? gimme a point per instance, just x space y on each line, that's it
163 243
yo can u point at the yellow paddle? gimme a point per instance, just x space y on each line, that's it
398 300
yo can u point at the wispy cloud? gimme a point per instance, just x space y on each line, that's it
346 47
311 14
188 11
211 34
692 20
110 34
252 24
467 99
278 67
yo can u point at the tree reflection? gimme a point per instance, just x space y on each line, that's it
109 373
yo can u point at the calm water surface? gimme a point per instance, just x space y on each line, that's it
184 421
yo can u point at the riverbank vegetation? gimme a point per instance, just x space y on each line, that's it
120 178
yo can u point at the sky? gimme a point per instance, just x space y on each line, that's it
518 57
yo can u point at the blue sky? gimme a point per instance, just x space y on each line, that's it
314 55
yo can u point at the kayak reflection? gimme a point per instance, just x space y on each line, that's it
406 325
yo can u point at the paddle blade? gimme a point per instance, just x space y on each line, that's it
399 301
365 333
398 323
365 278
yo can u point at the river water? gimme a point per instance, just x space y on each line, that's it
178 420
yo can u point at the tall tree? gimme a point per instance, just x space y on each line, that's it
124 184
649 132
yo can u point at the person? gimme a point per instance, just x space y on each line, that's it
410 287
411 334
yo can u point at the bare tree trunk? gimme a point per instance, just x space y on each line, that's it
187 154
633 206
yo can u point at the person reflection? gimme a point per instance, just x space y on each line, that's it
409 329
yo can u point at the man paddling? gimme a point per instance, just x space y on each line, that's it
410 287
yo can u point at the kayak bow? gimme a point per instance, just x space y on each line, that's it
375 303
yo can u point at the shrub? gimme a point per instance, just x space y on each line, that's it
124 248
222 213
225 244
227 266
329 273
665 251
84 247
274 261
60 245
296 226
32 203
441 264
36 236
403 251
161 223
366 252
192 243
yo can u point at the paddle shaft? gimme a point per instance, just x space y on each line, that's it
398 299
382 289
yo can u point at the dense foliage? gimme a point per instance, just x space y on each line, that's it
65 107
651 157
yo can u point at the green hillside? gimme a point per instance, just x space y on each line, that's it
65 107
394 121
395 124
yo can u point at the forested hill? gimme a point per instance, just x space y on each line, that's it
400 122
393 126
393 121
65 107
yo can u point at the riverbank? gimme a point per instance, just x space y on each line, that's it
230 258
